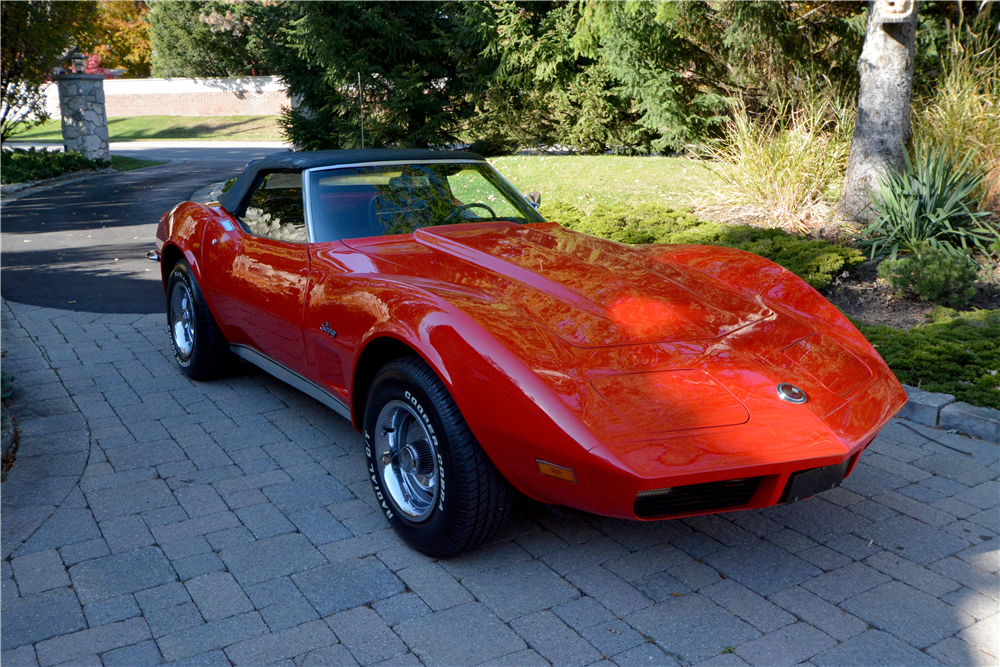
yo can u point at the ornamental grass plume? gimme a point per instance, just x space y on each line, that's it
963 112
783 169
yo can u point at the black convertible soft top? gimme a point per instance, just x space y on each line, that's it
299 161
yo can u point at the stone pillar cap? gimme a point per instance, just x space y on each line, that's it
70 77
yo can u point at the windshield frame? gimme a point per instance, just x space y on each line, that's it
511 192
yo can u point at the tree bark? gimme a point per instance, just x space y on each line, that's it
882 127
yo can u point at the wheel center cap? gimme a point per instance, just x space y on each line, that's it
407 459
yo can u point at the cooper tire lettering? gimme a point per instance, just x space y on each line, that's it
451 500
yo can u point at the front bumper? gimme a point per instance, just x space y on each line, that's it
748 466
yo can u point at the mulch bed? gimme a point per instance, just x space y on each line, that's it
867 300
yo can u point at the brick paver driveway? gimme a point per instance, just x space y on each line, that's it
153 519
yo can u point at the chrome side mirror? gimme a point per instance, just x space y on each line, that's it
534 198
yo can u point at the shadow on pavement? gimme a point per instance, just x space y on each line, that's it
82 246
86 279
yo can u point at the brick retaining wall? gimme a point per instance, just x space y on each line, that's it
248 96
199 104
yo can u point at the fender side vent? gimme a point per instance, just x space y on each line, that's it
696 497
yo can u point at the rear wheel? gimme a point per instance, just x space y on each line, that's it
433 481
201 351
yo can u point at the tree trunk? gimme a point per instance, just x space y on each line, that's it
882 127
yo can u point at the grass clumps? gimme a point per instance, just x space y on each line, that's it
19 165
815 261
962 114
786 168
956 354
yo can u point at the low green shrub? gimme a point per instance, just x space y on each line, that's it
19 165
956 354
930 203
815 261
937 275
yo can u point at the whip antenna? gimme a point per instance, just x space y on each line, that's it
361 102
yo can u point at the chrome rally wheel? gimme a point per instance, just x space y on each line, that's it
182 319
200 348
434 483
407 456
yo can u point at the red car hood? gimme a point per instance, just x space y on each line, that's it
589 292
642 330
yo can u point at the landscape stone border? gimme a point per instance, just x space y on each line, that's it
944 412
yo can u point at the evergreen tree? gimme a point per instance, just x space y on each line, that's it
657 53
546 92
419 64
206 39
636 74
683 62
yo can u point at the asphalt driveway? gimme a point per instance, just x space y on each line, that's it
81 245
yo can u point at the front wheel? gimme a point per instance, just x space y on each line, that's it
432 480
201 351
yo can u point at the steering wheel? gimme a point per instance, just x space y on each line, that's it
465 207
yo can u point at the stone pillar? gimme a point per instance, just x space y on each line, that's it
84 121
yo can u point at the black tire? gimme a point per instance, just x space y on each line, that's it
201 351
472 498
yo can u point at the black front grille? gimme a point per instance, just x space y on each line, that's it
696 497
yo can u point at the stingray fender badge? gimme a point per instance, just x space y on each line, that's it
325 328
791 393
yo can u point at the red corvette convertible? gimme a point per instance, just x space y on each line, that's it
481 349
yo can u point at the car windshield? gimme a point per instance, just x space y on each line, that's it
380 200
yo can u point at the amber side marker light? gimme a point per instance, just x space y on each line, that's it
558 472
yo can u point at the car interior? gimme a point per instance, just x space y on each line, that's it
275 209
372 201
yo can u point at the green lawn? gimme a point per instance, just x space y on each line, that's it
173 128
585 181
